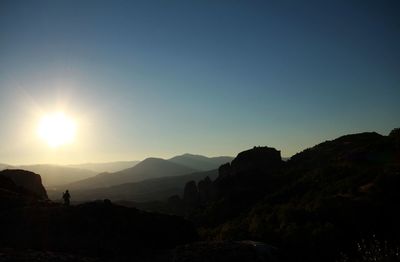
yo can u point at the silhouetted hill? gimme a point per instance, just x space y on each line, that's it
153 189
200 162
349 148
313 206
106 167
96 228
148 168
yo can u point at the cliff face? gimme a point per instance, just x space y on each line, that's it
395 136
9 193
240 183
258 159
27 180
6 184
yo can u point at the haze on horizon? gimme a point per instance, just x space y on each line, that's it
163 78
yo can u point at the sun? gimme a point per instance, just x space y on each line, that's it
57 129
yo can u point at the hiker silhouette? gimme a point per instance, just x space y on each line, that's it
66 197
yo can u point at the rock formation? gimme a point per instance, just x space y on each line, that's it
28 180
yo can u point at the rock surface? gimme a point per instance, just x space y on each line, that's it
27 180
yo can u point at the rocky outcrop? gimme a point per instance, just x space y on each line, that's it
247 178
250 172
257 159
204 188
7 184
191 193
395 136
10 194
224 170
16 190
28 180
395 133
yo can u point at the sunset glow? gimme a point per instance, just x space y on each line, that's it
57 129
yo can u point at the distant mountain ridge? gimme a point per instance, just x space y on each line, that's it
106 166
148 168
200 162
152 168
152 189
54 175
62 175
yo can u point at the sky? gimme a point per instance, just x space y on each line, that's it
162 78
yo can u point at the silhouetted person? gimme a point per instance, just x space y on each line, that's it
66 197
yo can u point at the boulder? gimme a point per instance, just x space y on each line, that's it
28 180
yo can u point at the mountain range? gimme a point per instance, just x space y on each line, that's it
151 168
54 175
94 175
105 167
199 162
336 201
148 168
152 189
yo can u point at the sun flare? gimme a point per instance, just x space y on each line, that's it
57 129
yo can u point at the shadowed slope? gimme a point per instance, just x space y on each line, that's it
106 167
97 228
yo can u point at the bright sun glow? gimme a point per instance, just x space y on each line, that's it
57 129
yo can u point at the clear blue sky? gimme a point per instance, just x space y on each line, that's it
160 78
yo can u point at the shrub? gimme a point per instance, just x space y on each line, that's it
373 250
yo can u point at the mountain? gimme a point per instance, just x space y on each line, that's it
153 189
199 162
148 168
106 167
55 175
319 203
